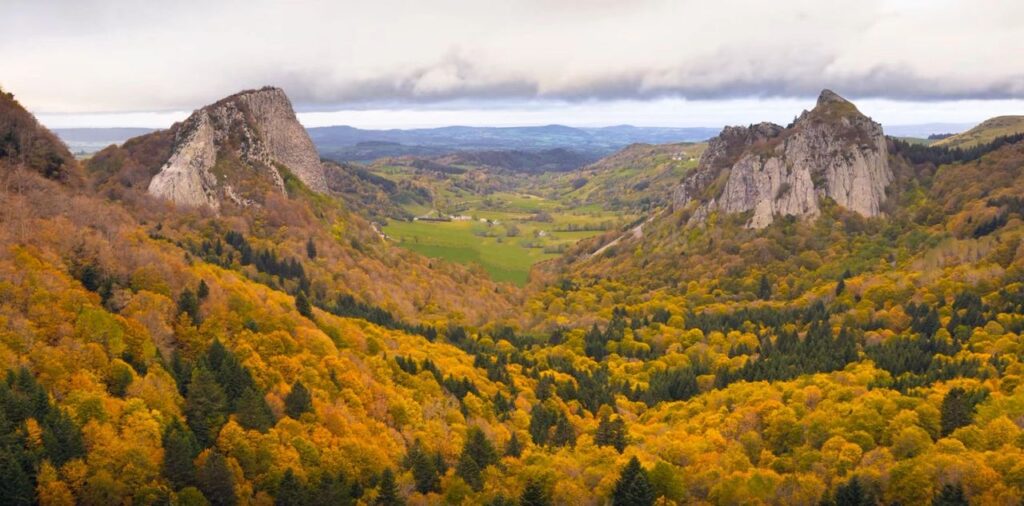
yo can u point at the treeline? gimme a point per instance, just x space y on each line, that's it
459 388
235 248
939 155
289 275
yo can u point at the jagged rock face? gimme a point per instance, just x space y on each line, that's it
235 149
721 153
831 151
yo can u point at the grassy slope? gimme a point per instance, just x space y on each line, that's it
637 176
986 132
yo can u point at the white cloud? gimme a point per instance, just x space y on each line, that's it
91 56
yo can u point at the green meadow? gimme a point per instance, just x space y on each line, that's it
506 233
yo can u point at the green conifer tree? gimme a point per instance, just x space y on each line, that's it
303 306
290 491
180 450
206 406
388 490
216 481
633 487
513 448
950 495
253 412
534 495
298 401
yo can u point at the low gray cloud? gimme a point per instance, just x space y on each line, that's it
89 56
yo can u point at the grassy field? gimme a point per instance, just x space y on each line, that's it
509 221
506 233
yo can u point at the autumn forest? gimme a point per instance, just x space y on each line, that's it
273 345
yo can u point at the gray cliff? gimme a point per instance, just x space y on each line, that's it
237 148
831 151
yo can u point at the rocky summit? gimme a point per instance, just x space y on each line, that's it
831 151
236 150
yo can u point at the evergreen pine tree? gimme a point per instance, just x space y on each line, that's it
479 448
16 486
332 489
388 493
189 304
633 487
513 448
424 472
182 372
203 290
215 355
234 378
541 420
950 495
594 344
298 401
290 491
502 406
469 471
534 495
545 386
440 464
611 433
956 410
764 289
180 450
216 481
303 306
565 434
477 454
206 406
310 249
852 493
61 437
253 412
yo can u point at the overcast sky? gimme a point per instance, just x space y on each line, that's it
388 63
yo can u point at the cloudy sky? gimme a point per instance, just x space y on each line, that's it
390 63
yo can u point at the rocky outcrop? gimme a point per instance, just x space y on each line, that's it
236 150
832 151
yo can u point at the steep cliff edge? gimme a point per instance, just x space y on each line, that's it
831 151
236 150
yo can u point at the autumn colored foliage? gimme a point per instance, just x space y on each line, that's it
288 355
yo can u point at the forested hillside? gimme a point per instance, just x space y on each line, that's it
285 353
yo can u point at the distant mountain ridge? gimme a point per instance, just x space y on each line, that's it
347 143
90 140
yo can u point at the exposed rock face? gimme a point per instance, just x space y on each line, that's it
831 151
236 149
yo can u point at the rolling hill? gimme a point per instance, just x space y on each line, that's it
985 132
